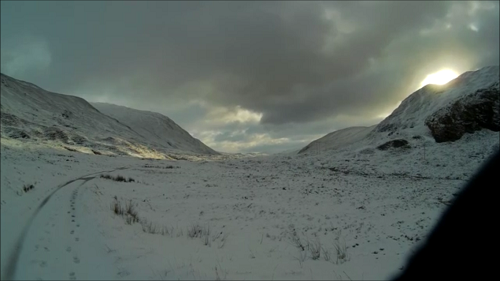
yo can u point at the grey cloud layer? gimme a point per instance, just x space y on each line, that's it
294 62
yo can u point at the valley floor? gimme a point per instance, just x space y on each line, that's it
273 217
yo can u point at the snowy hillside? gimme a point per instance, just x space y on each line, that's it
409 119
466 104
338 139
31 114
158 129
464 112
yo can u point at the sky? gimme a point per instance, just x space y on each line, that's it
247 76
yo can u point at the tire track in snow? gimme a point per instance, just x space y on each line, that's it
13 257
76 259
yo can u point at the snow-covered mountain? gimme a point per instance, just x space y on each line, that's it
441 113
418 111
32 114
158 129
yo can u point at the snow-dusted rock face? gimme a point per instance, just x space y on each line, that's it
471 113
29 113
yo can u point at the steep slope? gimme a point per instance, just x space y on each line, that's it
31 114
439 113
158 129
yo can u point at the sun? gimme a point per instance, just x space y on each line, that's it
440 78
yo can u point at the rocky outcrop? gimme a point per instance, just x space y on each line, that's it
16 133
54 134
9 120
467 115
399 143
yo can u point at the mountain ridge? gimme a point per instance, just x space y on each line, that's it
30 113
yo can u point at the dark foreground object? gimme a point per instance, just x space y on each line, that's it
464 244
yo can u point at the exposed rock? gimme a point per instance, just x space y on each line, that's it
467 115
79 139
4 82
54 133
16 133
399 143
67 114
9 119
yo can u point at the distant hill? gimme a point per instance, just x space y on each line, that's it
158 129
338 139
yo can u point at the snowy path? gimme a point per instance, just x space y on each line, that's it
52 239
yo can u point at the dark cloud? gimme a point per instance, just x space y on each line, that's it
294 63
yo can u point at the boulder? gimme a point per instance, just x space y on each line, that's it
467 115
398 143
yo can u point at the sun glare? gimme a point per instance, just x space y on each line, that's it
440 78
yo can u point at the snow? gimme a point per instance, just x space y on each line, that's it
375 206
261 210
